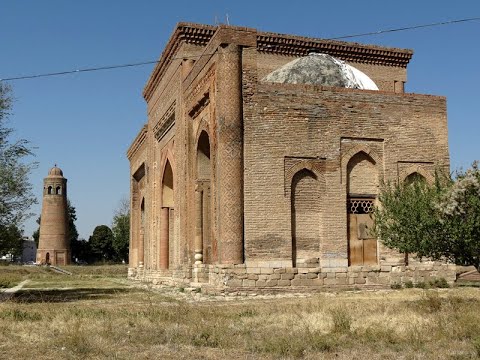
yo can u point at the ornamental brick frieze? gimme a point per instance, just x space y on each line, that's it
200 105
166 123
137 143
203 85
295 46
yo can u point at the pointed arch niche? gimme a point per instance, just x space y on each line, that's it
305 213
166 215
362 187
205 247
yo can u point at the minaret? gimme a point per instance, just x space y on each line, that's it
53 245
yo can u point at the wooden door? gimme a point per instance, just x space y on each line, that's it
362 244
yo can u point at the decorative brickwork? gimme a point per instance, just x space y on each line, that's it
252 186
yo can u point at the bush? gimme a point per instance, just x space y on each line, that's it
408 284
439 283
396 286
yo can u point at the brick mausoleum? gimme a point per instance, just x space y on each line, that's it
262 156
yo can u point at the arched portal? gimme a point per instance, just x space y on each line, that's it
47 258
166 215
205 246
414 178
362 185
305 212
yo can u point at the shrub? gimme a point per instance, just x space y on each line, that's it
396 286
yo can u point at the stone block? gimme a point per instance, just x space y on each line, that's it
340 275
360 280
234 283
249 283
253 270
330 281
312 276
302 282
291 270
284 283
252 277
264 270
279 271
260 283
271 283
287 276
275 277
385 268
331 275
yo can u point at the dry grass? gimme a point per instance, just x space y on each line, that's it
84 317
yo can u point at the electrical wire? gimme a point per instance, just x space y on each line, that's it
407 28
110 67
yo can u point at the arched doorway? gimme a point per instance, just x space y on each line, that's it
205 246
47 258
166 215
362 185
305 212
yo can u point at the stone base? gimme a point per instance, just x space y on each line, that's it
229 278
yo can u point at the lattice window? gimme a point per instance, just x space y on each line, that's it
360 206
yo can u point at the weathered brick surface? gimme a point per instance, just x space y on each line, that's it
278 164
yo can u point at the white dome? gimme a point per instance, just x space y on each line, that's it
321 69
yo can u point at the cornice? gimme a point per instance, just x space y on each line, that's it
189 33
275 43
347 51
139 140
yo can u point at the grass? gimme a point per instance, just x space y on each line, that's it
84 316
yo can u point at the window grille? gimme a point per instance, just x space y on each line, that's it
360 206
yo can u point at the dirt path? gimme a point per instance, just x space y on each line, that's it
8 293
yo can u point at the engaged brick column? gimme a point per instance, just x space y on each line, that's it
230 154
140 248
199 226
164 237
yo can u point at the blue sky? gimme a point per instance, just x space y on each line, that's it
85 122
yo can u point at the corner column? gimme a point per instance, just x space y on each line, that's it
198 225
141 248
230 154
164 237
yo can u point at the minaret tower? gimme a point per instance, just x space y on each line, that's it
53 245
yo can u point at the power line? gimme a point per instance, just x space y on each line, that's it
407 28
110 67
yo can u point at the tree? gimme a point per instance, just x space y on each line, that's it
16 195
459 210
36 233
121 230
407 218
11 241
440 221
101 243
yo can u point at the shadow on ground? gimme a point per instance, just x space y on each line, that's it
66 295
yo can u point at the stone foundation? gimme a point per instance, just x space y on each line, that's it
231 278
